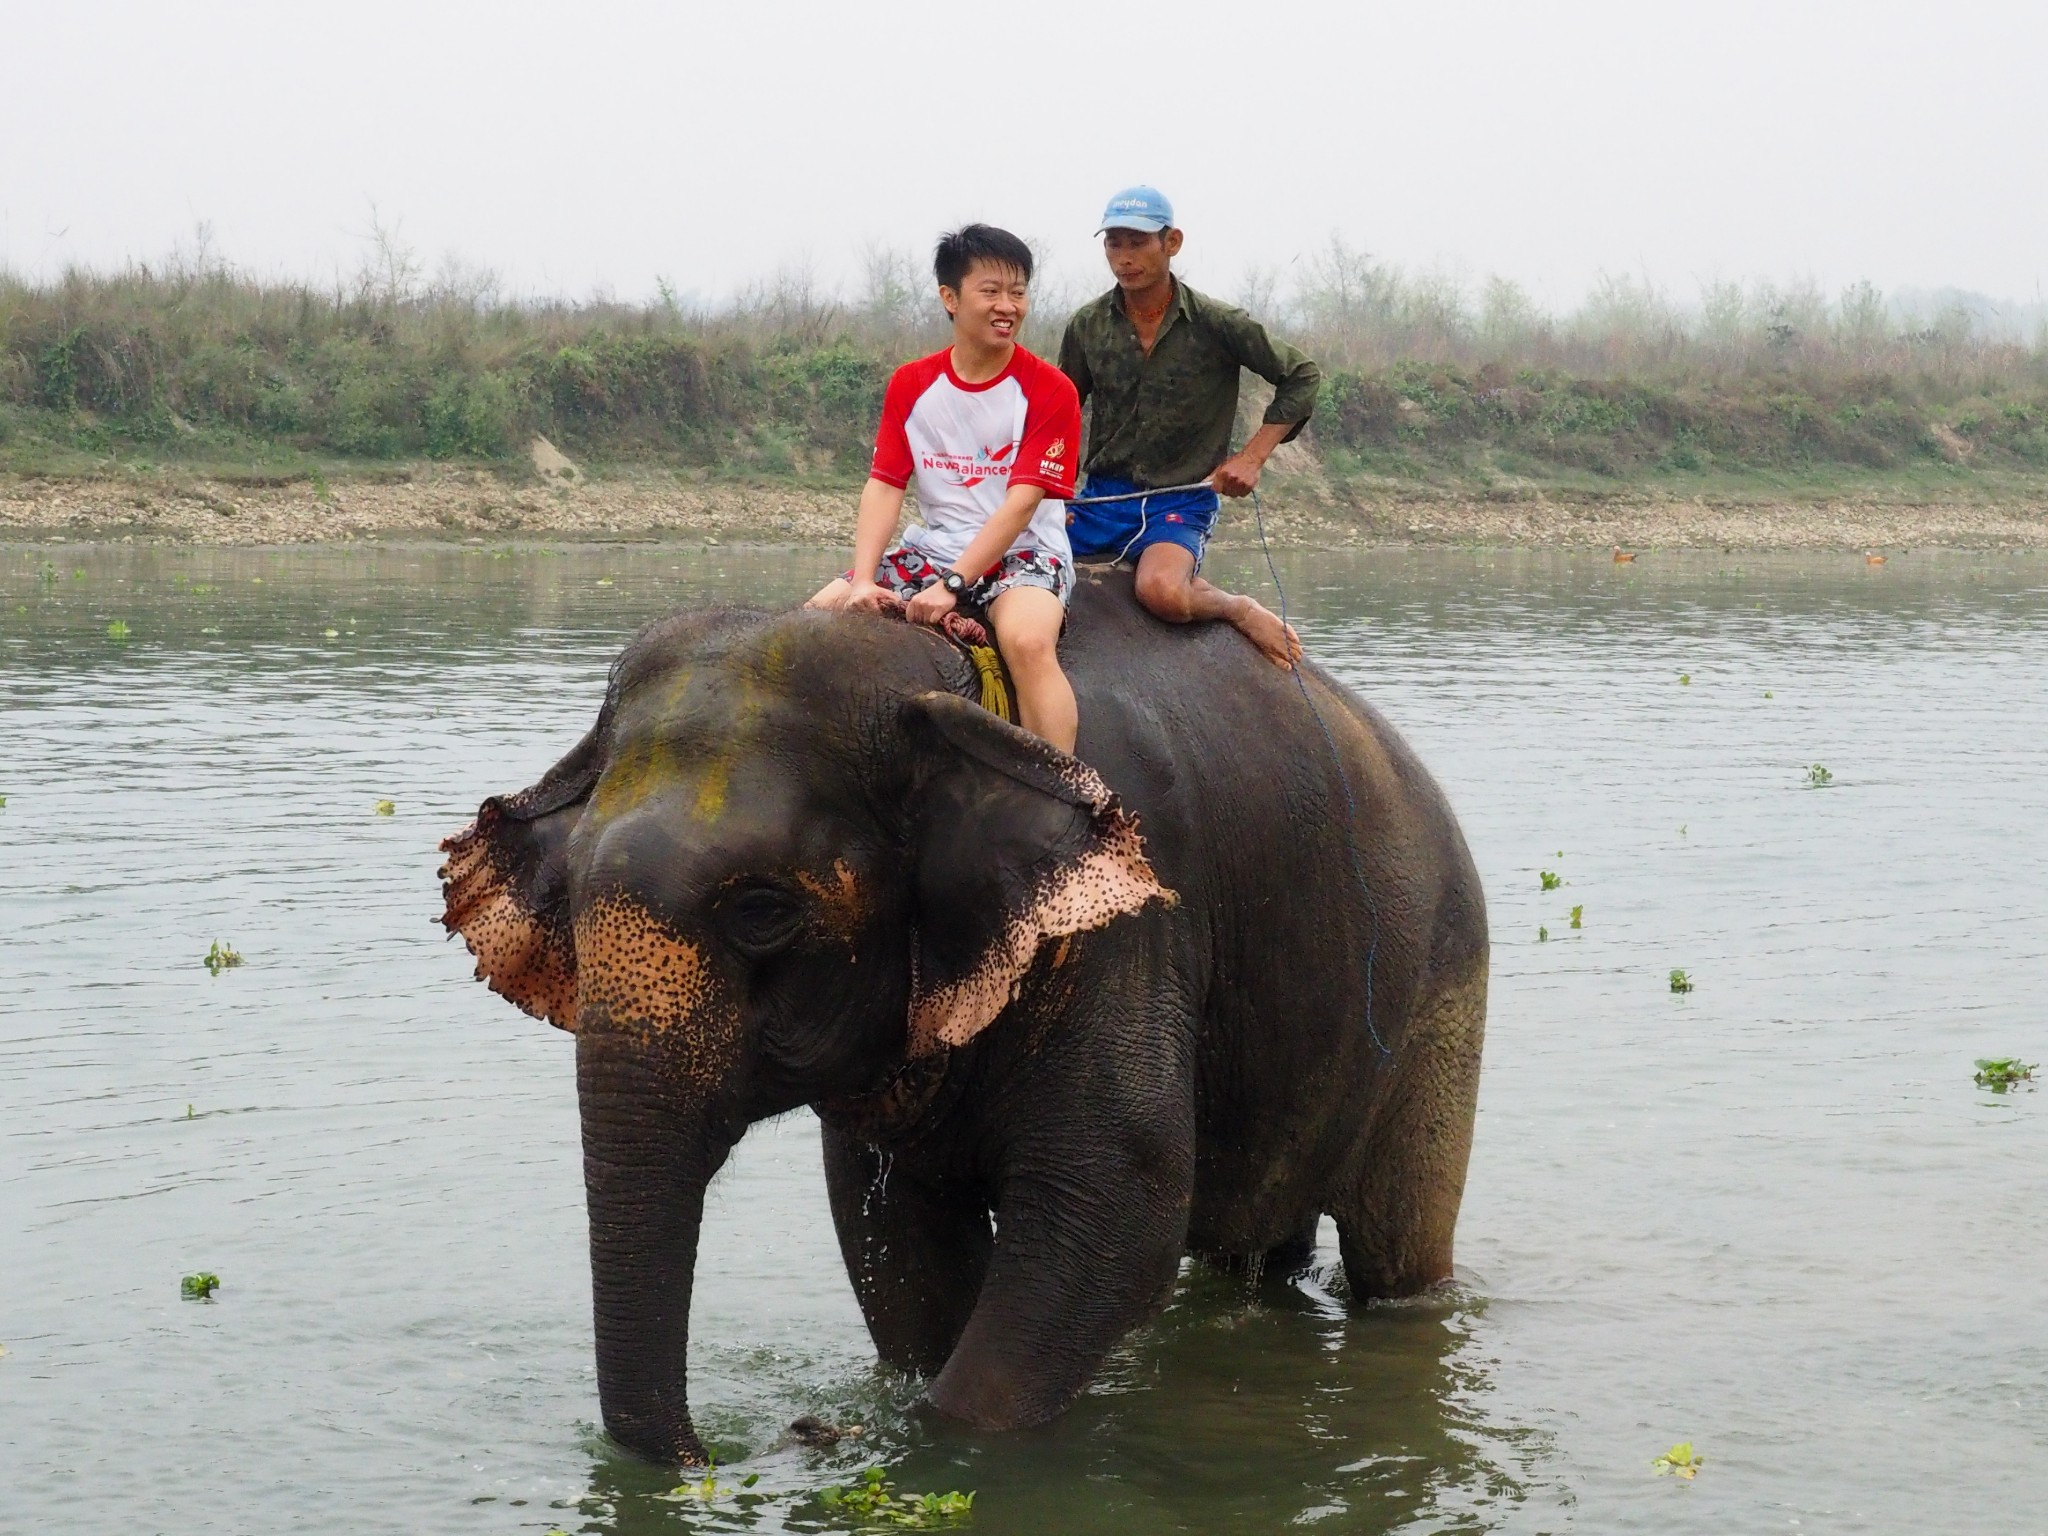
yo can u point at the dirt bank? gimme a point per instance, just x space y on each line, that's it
466 503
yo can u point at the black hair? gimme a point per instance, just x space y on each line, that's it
960 249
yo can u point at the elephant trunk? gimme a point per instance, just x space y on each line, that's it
648 1153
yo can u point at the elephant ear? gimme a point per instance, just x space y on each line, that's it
1016 844
506 885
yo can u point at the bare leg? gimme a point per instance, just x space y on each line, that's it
1170 590
832 594
1027 622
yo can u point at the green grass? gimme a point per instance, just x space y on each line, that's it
203 372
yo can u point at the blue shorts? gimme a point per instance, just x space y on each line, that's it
1124 530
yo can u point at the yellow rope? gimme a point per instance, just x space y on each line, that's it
995 693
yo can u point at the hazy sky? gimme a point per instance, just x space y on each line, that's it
596 145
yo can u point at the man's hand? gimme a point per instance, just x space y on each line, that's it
866 596
930 605
1238 475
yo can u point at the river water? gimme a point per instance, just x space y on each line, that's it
1772 1216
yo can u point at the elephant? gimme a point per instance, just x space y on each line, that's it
1065 1019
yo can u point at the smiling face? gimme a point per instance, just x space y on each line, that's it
1139 260
989 306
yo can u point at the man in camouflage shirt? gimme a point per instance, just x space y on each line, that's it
1157 364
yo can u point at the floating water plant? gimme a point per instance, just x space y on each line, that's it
1999 1073
1551 879
3 802
1685 679
1819 777
221 958
199 1287
1680 1461
1767 693
1577 913
386 808
707 1488
1542 935
1680 982
874 1500
118 630
330 634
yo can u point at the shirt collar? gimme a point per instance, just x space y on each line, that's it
1179 304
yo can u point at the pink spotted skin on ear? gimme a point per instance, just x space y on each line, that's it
1112 878
517 956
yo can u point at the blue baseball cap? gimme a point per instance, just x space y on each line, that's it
1141 208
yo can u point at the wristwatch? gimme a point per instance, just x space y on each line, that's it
954 583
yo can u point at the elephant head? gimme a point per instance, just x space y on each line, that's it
781 865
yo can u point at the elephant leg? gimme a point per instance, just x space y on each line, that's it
1090 1228
1282 1261
1396 1219
916 1259
1293 1253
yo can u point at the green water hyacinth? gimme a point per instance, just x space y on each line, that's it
874 1500
1680 982
1819 777
220 958
707 1489
1998 1073
199 1287
1680 1461
1551 879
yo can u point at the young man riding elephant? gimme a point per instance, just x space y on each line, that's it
1158 365
990 435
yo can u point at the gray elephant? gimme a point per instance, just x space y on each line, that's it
1220 974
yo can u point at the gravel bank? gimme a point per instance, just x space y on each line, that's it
466 503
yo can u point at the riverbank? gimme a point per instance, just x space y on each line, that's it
1302 511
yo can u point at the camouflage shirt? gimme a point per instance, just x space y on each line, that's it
1166 419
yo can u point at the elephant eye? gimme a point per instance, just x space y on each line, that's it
759 920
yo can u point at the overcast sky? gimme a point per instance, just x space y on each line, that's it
593 146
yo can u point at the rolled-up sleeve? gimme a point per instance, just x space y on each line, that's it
1295 379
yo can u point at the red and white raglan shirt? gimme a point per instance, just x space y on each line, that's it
967 444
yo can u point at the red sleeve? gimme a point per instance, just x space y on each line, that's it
1051 448
893 463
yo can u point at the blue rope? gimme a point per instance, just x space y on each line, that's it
1372 948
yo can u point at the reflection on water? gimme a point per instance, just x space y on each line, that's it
1772 1216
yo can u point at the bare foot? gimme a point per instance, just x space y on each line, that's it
1276 641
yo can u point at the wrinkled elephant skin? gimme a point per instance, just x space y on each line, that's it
1186 991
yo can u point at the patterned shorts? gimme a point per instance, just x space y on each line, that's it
907 572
